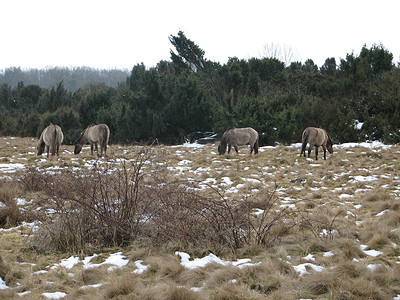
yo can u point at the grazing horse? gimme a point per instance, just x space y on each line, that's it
51 138
94 134
316 137
235 137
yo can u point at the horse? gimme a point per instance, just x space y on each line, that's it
235 137
316 137
51 138
93 134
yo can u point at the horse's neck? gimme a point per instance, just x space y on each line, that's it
83 138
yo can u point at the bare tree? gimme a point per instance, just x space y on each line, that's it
283 53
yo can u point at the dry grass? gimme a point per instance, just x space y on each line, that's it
331 206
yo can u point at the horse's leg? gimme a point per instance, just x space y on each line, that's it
91 148
309 151
96 148
101 152
251 149
323 147
236 149
47 150
316 152
229 148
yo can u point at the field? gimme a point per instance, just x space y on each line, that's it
182 222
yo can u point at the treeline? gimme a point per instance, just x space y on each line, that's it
73 78
355 99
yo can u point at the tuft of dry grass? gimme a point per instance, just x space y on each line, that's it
10 214
125 285
92 276
4 268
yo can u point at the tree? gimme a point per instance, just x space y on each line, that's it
189 55
283 53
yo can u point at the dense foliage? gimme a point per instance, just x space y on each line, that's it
356 99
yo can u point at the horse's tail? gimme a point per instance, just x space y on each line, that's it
304 141
256 145
105 138
53 141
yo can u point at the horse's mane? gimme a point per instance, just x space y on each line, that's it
330 141
223 140
81 135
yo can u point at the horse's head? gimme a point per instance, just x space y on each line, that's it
40 148
77 148
329 145
221 149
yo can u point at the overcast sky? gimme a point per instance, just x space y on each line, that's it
121 33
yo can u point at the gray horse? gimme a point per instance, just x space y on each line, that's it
51 138
235 137
93 134
316 137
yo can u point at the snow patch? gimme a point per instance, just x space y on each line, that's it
202 262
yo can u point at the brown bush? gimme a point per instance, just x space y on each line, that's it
115 204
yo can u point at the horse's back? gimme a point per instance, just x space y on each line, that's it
314 135
242 136
99 133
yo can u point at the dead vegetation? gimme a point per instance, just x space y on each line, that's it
281 211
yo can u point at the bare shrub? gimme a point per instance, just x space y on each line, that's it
115 204
32 179
103 206
191 217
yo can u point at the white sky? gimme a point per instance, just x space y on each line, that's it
122 33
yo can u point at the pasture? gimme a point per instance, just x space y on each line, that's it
182 222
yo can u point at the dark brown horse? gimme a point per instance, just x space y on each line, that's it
316 137
51 138
94 134
235 137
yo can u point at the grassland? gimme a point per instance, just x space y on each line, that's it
314 229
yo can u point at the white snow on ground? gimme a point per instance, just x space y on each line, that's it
190 145
373 253
329 254
67 263
55 295
226 181
117 260
302 268
11 168
3 285
91 286
382 213
370 145
363 178
202 262
309 257
140 268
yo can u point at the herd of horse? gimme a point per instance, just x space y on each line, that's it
98 136
95 135
315 137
